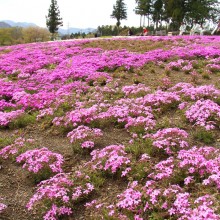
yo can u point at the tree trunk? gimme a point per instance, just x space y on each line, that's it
148 20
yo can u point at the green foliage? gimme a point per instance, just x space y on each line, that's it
139 147
35 34
163 123
167 72
157 11
175 11
44 174
206 76
13 76
5 141
140 170
23 120
50 66
156 216
5 36
97 179
18 35
136 81
207 137
201 10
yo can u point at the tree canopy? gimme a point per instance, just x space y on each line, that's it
119 11
53 19
177 11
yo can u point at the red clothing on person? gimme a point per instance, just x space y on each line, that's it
145 31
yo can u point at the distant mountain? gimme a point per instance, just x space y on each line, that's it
61 30
18 24
4 25
76 30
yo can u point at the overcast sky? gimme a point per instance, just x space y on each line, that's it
78 13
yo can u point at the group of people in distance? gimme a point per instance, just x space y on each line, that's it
196 29
144 33
201 29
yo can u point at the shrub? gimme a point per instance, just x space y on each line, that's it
58 195
41 162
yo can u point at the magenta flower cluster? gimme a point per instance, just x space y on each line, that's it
205 113
170 140
7 117
2 206
111 158
38 159
59 193
83 133
16 148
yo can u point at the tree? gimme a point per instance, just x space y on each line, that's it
201 10
144 9
119 11
174 12
5 36
157 11
53 20
35 34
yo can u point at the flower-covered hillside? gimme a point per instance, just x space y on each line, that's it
121 128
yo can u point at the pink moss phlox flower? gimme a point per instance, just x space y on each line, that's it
204 113
203 210
57 187
181 205
82 115
59 192
130 198
188 91
135 89
38 159
56 211
13 149
175 65
87 144
213 67
110 158
2 206
182 105
188 180
45 112
7 117
202 161
160 98
5 104
83 133
170 139
163 169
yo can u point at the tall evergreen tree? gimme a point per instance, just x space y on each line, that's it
53 19
119 11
